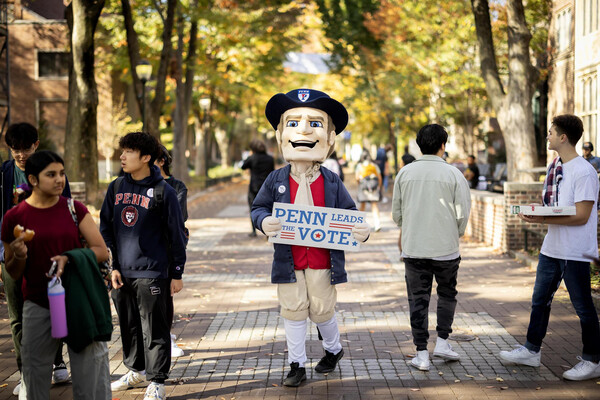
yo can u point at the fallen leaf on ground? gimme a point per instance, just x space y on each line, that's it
4 385
456 380
538 388
414 389
274 385
469 376
440 373
499 379
503 387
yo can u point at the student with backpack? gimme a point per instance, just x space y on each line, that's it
142 223
369 181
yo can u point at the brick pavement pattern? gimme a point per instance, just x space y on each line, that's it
227 322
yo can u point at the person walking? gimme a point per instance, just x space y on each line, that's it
48 215
369 179
260 165
472 172
22 141
163 162
568 247
142 223
431 206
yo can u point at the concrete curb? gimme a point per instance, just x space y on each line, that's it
532 262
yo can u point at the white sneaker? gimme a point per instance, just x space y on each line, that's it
60 374
130 380
582 371
17 389
421 361
175 350
443 349
522 355
155 391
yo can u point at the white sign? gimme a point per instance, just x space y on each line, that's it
329 228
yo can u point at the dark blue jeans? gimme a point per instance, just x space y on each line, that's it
550 272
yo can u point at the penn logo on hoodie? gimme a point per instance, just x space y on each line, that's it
129 216
133 198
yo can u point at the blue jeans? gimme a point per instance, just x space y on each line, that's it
550 272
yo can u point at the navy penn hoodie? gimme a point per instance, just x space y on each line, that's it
135 227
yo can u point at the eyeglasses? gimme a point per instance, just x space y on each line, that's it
26 152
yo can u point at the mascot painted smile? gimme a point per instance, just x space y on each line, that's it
306 123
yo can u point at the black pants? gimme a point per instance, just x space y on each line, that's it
142 309
251 197
419 275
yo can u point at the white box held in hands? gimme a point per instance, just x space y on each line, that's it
542 210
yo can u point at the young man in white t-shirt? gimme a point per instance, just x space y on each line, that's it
568 246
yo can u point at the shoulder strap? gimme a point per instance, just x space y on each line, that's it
117 184
71 206
159 192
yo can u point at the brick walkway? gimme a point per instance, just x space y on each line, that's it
228 324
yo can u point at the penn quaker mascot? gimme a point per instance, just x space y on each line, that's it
306 123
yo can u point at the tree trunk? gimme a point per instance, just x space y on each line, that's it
155 108
513 109
81 146
183 99
223 145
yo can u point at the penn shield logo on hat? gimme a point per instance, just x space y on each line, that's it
280 103
303 95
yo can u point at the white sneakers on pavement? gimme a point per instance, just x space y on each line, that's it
443 349
522 355
155 391
130 380
17 389
176 351
60 374
421 361
582 371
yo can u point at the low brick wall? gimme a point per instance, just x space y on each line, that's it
492 223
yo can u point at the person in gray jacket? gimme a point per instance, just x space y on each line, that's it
431 205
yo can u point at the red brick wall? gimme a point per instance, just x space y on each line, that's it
491 222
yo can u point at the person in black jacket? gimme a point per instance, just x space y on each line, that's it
163 161
22 141
260 165
146 236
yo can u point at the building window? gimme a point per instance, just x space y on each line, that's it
589 107
53 64
591 9
563 30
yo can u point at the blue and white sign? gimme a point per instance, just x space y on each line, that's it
329 228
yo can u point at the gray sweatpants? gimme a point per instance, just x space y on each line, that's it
89 368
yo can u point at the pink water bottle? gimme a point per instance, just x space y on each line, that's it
58 311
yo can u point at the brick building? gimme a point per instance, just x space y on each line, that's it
574 40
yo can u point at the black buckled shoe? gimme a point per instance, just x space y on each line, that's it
295 376
329 361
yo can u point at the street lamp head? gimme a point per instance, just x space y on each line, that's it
204 103
144 71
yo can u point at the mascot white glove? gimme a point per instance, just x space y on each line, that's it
271 226
361 231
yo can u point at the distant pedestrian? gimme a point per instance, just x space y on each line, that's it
369 181
431 205
333 164
163 162
569 245
142 223
382 161
587 148
48 214
472 172
407 158
260 165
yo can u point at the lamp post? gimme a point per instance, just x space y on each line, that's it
144 72
204 106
